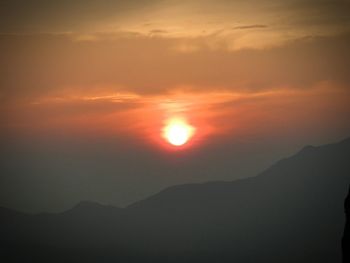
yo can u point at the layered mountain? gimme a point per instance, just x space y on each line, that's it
292 212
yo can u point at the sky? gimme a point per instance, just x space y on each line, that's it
87 88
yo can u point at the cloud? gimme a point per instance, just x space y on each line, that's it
250 26
35 16
157 31
178 18
34 65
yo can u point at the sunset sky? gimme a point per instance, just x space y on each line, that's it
88 87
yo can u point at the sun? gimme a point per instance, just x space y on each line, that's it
177 132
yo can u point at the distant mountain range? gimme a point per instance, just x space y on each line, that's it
292 212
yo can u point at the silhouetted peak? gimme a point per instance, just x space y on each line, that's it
89 206
308 149
345 141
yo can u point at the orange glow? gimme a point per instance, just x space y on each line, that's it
177 132
179 120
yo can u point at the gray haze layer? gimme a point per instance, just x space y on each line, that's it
54 175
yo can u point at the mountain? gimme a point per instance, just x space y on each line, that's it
292 212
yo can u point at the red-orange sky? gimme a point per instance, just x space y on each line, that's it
86 89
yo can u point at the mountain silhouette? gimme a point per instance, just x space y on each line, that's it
291 212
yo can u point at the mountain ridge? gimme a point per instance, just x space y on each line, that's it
291 212
87 203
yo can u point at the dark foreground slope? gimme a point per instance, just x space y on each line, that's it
346 235
292 212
